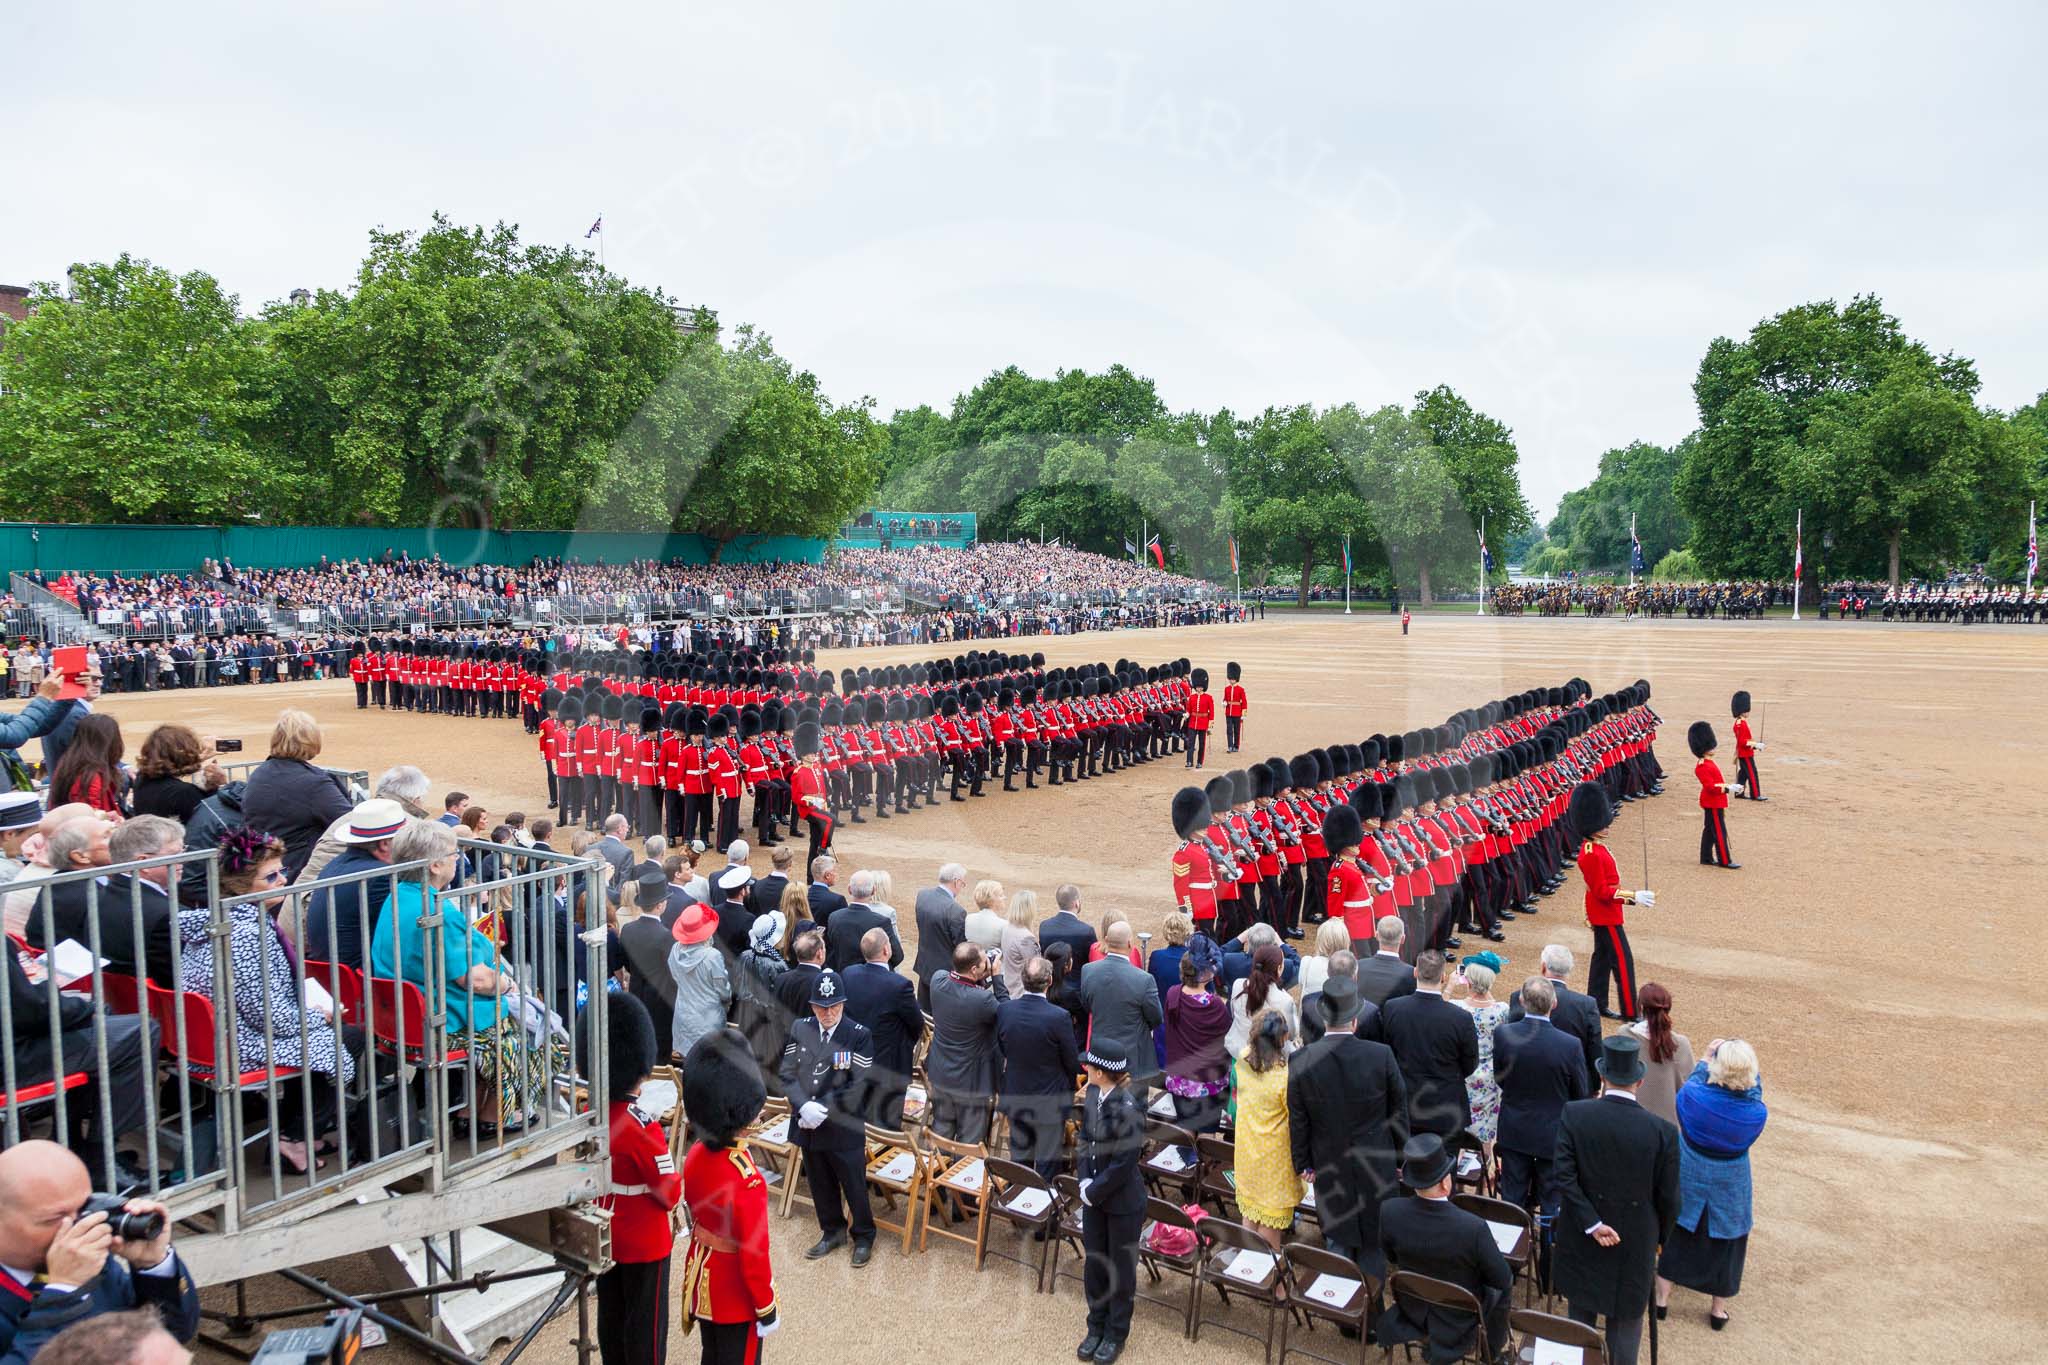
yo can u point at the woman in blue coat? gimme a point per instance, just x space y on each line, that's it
1721 1114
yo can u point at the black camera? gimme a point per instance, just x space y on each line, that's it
227 746
334 1342
126 1226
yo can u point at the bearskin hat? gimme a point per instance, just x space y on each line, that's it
1739 704
629 1044
1199 679
569 711
1591 810
722 1087
1232 671
1191 813
1365 801
1260 778
1301 771
1700 739
1342 828
1222 794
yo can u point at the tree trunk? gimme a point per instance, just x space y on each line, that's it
1422 576
1308 564
717 549
1892 545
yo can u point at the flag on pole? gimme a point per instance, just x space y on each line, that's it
1130 547
1635 546
2033 545
1347 555
595 228
1233 553
1485 555
1798 547
1158 553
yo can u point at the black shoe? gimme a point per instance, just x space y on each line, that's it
1108 1351
1753 798
1716 1323
863 1252
825 1246
1606 1013
1290 933
1454 943
1495 936
1662 1310
1086 1350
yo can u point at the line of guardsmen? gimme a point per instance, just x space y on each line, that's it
1695 601
1960 606
676 745
1453 829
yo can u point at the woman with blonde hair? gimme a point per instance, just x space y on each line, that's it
985 923
1020 939
1331 937
1268 1186
885 891
1721 1114
288 797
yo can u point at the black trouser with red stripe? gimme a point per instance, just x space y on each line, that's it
1714 838
1612 959
632 1313
1746 768
730 1343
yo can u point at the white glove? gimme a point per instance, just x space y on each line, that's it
1648 898
811 1115
1085 1185
1740 789
768 1328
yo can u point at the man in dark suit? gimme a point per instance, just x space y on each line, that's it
1617 1167
131 1067
825 1073
1347 1114
885 1004
1040 1062
766 894
1437 1046
1429 1235
806 960
1123 1005
111 902
1065 924
1384 976
1316 1006
1112 1196
851 923
941 927
824 901
735 920
1540 1070
1575 1012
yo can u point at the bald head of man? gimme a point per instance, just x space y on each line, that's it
42 1187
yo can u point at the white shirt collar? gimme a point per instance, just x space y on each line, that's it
1623 1095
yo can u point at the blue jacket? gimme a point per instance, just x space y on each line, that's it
36 720
30 1317
1716 1128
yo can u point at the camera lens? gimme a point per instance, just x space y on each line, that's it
126 1226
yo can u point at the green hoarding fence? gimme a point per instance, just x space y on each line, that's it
26 547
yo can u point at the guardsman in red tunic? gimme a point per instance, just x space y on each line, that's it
1347 896
753 760
359 674
1589 814
728 1280
1714 791
809 800
722 772
1234 706
673 717
696 777
1201 710
1194 875
1746 745
642 1191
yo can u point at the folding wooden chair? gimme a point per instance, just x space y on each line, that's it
1024 1199
1261 1272
1066 1228
1157 1264
956 1188
1165 1144
1322 1284
1420 1289
1521 1256
1532 1326
672 1119
770 1138
1217 1186
897 1169
1481 1179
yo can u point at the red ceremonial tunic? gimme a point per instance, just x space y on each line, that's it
1194 882
1603 884
1350 899
1201 710
1744 741
644 1187
726 1273
1711 795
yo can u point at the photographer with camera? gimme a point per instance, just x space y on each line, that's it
67 1254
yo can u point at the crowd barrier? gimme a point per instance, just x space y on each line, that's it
206 1087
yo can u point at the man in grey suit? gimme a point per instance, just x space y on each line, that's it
613 848
941 927
1384 976
1123 1004
964 1063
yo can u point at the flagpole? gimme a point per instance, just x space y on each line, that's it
1347 573
1631 549
2033 548
1798 559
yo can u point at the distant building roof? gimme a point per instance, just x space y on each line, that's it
14 301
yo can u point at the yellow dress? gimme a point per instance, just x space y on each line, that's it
1268 1189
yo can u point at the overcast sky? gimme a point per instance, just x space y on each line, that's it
1551 208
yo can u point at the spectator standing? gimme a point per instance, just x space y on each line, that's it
984 924
288 797
1721 1114
1667 1056
1347 1113
703 987
1257 993
1064 925
1123 1006
1019 940
1539 1069
90 771
941 927
964 1062
885 1004
1041 1059
1482 1091
1267 1185
1437 1046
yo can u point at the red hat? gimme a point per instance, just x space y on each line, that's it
697 923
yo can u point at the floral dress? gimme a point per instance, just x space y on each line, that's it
1480 1087
1268 1188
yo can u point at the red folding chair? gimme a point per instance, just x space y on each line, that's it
29 1094
399 1009
121 993
346 985
201 1057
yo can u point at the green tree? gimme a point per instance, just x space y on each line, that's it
1837 412
1290 498
1677 566
1634 481
132 400
1550 561
1478 456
